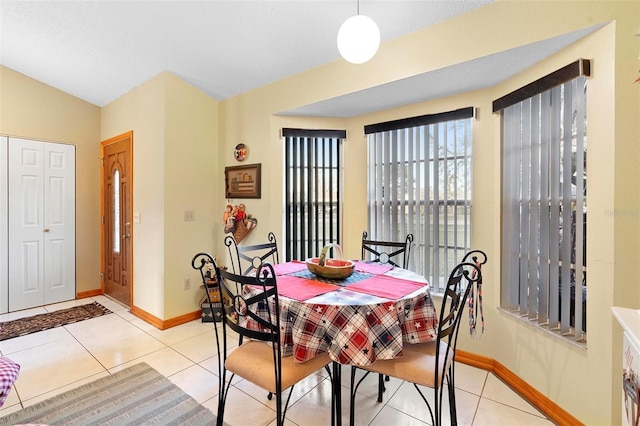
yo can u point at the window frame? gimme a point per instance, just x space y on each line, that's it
545 124
423 159
301 242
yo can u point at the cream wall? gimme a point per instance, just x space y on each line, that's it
174 161
32 110
563 372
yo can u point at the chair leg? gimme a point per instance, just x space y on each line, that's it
336 412
279 419
381 387
453 412
352 397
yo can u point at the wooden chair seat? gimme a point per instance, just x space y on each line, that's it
253 361
416 365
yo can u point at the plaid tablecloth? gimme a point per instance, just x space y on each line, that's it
353 327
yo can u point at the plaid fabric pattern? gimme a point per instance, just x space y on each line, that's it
8 375
353 328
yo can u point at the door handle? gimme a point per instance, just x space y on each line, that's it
46 229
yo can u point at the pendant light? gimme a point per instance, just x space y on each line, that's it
358 38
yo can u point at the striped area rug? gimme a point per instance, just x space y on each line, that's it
134 396
32 324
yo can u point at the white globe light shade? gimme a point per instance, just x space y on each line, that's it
358 39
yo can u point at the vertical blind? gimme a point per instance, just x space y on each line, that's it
545 208
419 182
313 182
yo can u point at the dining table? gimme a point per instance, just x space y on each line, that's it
368 316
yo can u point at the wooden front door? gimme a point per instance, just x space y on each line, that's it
117 211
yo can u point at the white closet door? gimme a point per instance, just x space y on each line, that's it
41 223
60 219
4 224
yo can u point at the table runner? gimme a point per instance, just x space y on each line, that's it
373 268
289 267
387 287
301 289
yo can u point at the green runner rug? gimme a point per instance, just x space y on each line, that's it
134 396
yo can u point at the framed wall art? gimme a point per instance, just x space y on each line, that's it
242 181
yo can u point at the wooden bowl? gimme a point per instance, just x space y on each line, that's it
333 269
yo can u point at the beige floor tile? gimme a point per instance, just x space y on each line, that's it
126 349
242 410
103 331
407 400
127 316
12 399
314 406
391 416
52 366
492 413
68 304
197 382
33 340
110 304
300 390
22 314
369 385
497 391
198 348
470 379
180 333
166 361
63 389
187 355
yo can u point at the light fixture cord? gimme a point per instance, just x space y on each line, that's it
358 7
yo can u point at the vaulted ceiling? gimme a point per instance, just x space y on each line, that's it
99 50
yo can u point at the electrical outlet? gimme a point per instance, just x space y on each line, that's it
189 216
187 283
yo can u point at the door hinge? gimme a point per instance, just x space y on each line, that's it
101 161
102 220
102 276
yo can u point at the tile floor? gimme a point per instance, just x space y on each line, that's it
63 358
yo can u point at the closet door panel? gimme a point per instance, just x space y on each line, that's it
4 226
59 212
26 224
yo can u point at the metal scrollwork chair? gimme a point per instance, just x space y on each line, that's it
258 357
246 259
432 364
392 252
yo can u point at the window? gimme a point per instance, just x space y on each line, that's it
420 182
116 211
313 182
544 205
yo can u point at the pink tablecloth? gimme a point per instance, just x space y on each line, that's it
354 327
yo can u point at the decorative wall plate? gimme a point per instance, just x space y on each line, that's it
240 152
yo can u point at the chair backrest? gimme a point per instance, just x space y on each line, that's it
463 277
246 259
253 298
393 252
